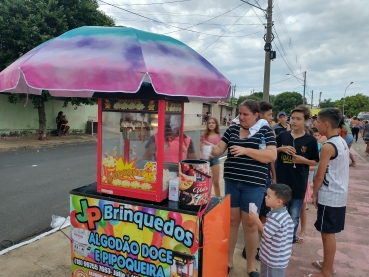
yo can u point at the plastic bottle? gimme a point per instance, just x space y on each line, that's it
262 144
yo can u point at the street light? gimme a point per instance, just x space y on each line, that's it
303 98
344 97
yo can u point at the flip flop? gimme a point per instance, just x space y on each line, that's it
300 240
319 266
254 274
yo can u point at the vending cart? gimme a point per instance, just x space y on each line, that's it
140 145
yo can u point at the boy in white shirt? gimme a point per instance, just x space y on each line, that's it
330 188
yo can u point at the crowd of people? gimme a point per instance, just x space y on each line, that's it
279 168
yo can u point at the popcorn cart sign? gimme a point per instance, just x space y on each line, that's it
109 238
127 175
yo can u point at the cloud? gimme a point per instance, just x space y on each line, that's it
327 39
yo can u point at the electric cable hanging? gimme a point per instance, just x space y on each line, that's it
223 33
149 4
197 24
169 25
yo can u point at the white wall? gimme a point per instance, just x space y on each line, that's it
191 110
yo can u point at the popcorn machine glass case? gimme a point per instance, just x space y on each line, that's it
139 147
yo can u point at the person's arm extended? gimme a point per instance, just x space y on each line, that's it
289 150
255 217
268 155
326 153
297 159
218 149
312 155
274 173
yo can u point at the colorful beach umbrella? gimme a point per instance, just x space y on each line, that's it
114 59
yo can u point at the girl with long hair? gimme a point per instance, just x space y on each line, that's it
212 135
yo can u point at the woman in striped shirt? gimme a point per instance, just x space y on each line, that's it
245 173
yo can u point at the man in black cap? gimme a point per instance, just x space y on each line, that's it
282 125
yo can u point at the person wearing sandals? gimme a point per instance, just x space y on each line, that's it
312 170
330 189
245 172
277 233
297 151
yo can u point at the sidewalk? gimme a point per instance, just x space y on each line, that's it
28 142
50 256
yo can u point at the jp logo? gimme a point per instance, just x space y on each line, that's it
89 215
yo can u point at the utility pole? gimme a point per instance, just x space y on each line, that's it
268 48
320 98
303 98
312 97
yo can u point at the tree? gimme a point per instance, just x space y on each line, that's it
258 96
231 101
287 101
25 24
354 104
327 103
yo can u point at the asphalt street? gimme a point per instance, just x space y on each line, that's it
35 185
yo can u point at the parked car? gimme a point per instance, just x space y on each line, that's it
363 115
235 120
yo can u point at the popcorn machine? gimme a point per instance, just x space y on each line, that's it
139 147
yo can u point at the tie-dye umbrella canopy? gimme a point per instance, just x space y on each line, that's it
111 60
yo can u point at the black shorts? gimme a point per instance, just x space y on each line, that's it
330 220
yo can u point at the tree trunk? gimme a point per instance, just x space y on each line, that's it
41 121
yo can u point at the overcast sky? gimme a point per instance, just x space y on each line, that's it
327 39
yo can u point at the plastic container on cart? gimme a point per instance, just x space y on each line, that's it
194 184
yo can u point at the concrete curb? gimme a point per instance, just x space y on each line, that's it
6 250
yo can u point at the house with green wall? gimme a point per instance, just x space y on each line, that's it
21 117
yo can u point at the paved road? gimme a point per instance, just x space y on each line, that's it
36 184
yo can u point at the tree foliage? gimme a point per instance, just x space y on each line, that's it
286 101
354 104
258 96
327 103
25 24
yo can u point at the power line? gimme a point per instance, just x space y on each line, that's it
211 18
220 43
215 24
178 14
283 57
223 33
271 83
284 51
149 4
169 25
285 30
